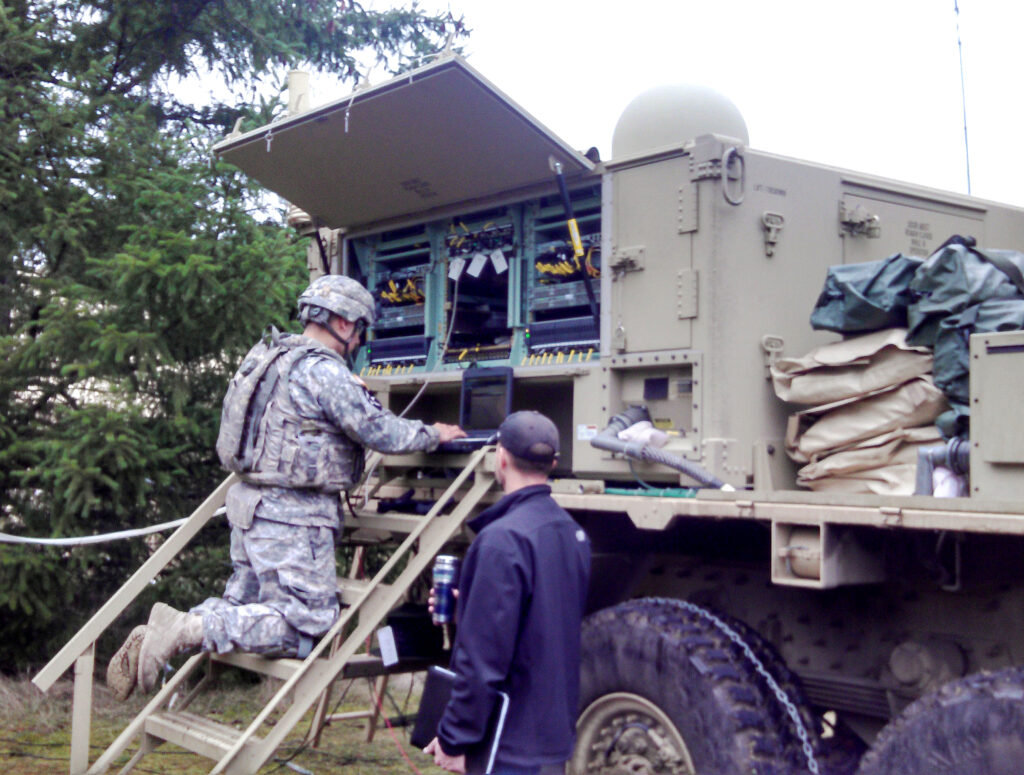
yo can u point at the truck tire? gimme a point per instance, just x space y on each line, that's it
665 689
973 725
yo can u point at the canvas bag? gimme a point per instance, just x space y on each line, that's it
884 464
816 432
853 367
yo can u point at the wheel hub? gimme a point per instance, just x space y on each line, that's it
626 734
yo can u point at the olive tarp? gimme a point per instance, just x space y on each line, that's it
858 298
952 345
956 277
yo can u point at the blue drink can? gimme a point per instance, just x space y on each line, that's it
446 568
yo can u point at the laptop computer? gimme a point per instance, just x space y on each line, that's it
485 399
436 691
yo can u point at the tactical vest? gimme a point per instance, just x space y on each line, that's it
262 437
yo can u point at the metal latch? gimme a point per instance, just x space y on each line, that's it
772 223
858 222
773 346
619 337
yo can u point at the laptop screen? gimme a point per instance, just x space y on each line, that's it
486 397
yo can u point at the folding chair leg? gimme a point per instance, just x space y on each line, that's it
378 706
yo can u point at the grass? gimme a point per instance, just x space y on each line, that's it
35 730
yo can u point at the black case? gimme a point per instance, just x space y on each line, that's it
436 691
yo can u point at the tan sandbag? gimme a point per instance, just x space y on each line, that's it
897 479
898 446
857 366
815 432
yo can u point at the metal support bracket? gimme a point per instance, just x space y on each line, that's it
627 260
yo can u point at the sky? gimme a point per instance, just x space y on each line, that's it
872 86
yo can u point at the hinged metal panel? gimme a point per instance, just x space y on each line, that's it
436 136
645 305
997 382
997 447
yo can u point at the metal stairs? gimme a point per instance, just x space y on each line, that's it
305 681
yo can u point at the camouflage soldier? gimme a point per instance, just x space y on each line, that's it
294 425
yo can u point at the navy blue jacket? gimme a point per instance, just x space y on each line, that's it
522 590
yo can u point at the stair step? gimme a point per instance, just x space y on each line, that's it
383 523
197 734
358 666
350 591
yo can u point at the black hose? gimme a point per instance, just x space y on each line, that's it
609 440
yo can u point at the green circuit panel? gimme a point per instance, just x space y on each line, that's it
500 286
561 315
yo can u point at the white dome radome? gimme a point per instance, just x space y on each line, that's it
673 114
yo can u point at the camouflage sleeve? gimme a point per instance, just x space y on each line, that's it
350 406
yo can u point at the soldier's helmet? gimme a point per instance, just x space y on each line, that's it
336 294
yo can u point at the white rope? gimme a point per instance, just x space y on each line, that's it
98 539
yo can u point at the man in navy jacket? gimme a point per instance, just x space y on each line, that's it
521 595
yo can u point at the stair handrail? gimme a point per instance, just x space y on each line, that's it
84 639
476 461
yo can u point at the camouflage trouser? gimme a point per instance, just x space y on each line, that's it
282 595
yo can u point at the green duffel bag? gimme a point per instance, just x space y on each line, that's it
869 296
955 277
951 365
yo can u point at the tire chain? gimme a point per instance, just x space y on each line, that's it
773 685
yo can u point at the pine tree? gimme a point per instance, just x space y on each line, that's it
135 270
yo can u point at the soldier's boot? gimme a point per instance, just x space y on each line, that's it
123 670
168 632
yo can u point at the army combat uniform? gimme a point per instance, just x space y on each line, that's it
293 426
284 515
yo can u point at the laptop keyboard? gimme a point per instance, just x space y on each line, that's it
472 442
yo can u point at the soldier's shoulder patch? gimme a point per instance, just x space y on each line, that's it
371 399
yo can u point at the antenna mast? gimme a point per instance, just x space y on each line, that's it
963 95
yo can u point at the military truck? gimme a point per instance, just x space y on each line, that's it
755 627
738 624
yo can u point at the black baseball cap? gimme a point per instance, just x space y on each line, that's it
529 435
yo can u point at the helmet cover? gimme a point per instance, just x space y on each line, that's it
339 295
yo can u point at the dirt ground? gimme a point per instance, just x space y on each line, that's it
35 730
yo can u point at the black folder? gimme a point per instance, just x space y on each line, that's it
436 691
